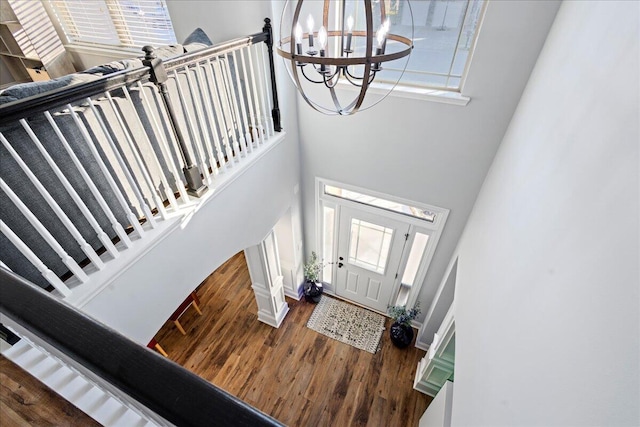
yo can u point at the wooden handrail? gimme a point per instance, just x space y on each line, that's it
164 387
23 108
11 112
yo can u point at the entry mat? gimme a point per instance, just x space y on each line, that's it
347 323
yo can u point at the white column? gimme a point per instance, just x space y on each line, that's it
266 281
437 366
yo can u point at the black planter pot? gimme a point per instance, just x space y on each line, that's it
401 335
312 291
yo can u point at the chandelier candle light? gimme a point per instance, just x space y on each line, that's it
342 52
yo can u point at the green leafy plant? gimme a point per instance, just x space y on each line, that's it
312 268
401 315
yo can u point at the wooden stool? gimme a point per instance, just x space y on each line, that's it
192 299
154 344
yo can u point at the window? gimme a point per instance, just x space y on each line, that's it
329 214
444 36
380 203
124 23
416 254
369 245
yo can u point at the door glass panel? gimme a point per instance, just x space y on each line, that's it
327 243
369 245
415 256
416 253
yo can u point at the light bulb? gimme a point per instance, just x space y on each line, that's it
310 26
298 33
310 23
386 25
350 23
380 36
322 37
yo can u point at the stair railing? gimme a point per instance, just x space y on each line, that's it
137 374
91 167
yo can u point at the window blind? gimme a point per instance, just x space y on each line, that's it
126 23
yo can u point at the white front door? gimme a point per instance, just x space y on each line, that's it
369 252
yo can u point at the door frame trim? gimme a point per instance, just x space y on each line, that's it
434 229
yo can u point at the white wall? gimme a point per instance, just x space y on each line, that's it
438 414
139 301
431 152
547 316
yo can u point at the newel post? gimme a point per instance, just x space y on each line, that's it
195 185
275 112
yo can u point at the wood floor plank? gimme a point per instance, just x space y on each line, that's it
297 375
25 401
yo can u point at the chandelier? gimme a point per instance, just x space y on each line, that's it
335 46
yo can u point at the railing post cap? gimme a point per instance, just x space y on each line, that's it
148 50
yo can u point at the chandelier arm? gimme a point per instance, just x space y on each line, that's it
371 77
354 83
352 76
329 81
324 75
336 73
308 78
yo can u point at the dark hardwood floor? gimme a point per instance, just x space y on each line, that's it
296 375
25 401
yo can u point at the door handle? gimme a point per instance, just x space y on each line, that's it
341 259
340 265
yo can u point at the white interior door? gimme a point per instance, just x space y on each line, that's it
369 252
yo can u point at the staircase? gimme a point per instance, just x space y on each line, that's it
95 175
86 395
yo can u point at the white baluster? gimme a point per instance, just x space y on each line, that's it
169 193
164 146
256 98
105 171
106 241
243 102
49 275
251 116
235 95
133 182
209 94
267 90
66 221
195 96
140 162
264 90
226 108
195 137
125 170
222 125
46 235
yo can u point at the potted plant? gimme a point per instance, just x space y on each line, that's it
401 331
312 285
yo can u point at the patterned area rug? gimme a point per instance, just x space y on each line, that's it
347 323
